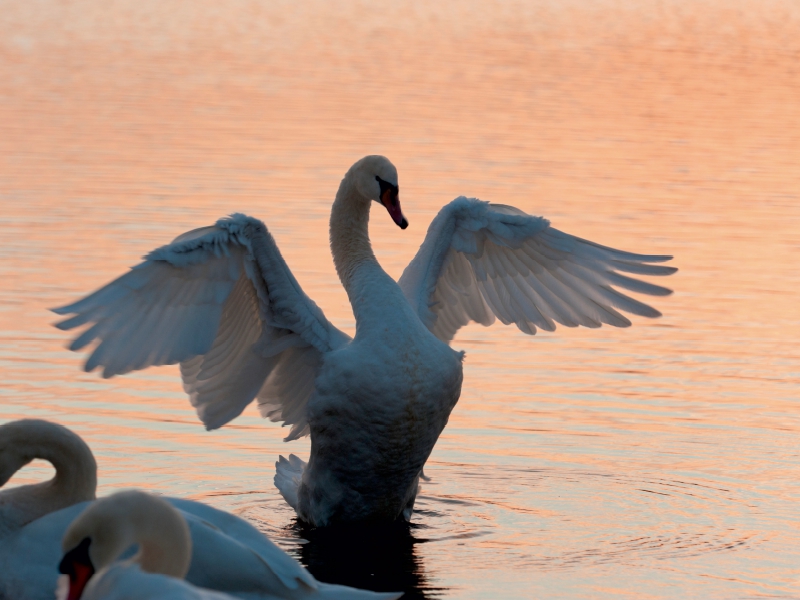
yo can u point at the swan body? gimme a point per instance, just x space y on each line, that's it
128 582
222 302
97 538
228 555
75 479
101 534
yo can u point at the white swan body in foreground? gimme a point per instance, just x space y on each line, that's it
106 529
222 302
227 553
75 479
100 535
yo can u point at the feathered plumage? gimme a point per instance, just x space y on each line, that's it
223 303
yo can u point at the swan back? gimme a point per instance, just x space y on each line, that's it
75 479
114 524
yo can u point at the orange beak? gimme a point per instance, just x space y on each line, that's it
77 567
390 199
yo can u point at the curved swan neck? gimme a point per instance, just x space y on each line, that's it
349 232
116 523
76 470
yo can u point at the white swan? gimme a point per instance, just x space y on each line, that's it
228 554
100 535
75 479
106 529
222 302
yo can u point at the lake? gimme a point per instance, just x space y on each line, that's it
657 461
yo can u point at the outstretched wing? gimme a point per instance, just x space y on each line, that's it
222 302
480 261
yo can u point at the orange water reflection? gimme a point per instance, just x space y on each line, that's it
660 458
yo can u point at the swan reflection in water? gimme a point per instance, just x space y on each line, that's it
379 558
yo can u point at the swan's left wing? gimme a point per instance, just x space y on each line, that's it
480 261
222 302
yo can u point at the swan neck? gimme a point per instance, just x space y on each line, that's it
116 523
349 233
76 470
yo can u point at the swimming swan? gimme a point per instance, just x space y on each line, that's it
227 553
222 302
100 535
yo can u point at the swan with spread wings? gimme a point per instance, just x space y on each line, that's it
222 303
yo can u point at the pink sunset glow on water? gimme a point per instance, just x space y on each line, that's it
651 462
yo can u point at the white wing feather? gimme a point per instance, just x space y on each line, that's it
222 302
482 261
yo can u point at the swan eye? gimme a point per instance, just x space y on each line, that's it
385 187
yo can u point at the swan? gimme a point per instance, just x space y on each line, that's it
108 527
227 553
75 479
222 302
98 537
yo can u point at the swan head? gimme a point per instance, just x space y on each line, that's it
111 525
375 178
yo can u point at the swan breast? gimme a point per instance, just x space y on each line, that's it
387 401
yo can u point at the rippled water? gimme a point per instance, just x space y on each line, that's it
657 461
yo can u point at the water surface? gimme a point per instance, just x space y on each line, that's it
651 462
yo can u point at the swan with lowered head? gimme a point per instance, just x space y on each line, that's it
75 479
106 529
222 302
99 536
227 553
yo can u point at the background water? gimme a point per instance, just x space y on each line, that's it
658 461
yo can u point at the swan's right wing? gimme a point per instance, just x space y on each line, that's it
222 302
482 261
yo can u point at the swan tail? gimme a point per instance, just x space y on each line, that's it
288 476
329 591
